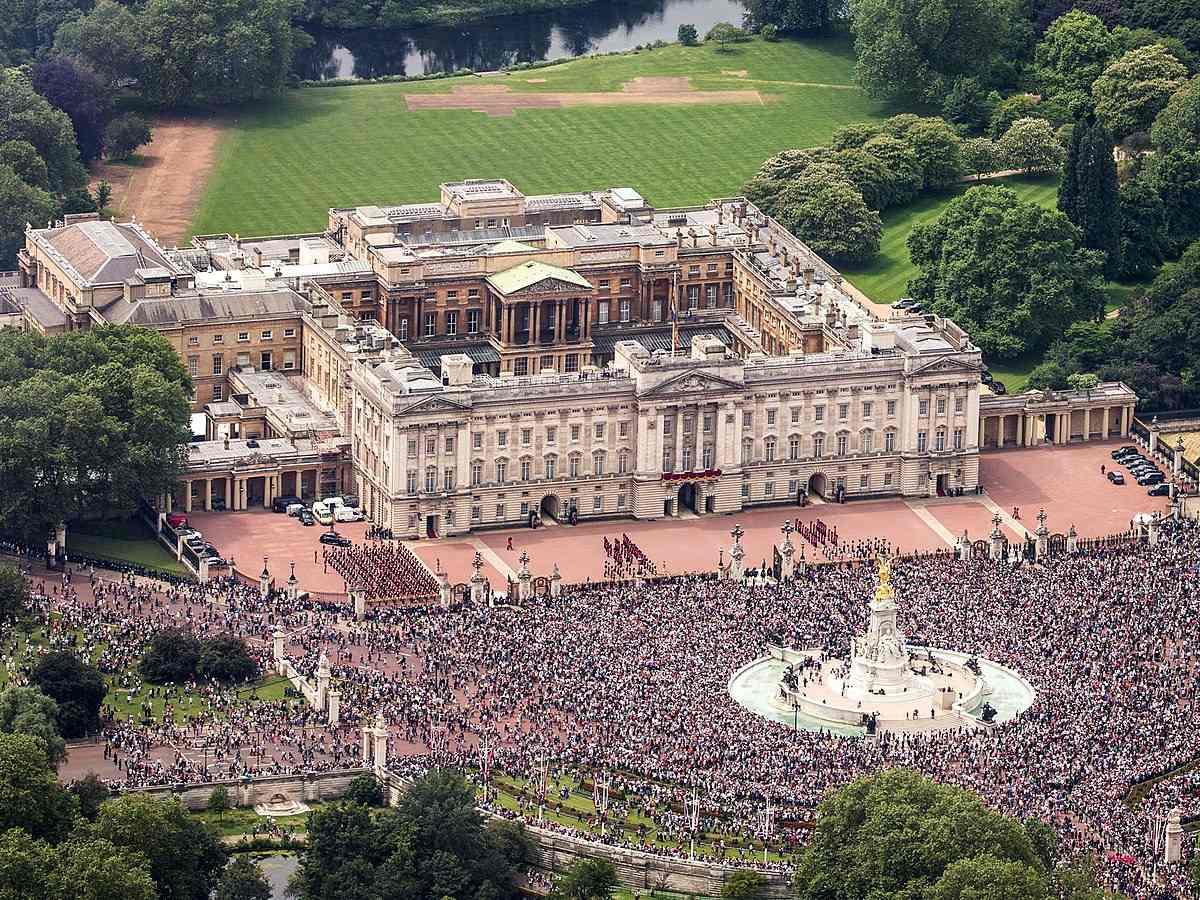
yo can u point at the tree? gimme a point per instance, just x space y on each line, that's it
27 866
1072 53
1088 192
30 796
990 878
20 204
22 157
688 36
832 218
1175 177
723 34
588 879
910 52
226 659
243 880
88 420
103 194
364 790
83 95
218 801
981 156
108 39
91 792
1008 271
125 134
896 834
96 869
744 885
1177 127
1136 88
969 104
769 33
938 149
26 116
1083 382
77 201
185 857
1144 241
77 688
226 51
901 161
14 594
1032 146
794 16
171 657
1008 111
854 135
26 710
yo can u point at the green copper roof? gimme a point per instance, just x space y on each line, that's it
529 273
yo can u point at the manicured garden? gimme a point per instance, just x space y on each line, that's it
282 165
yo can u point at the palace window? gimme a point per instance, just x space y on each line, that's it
939 439
598 460
551 463
602 312
477 440
707 457
472 321
864 480
402 331
708 423
598 503
451 323
411 484
693 296
575 433
573 465
922 441
819 413
668 463
218 361
843 411
430 446
770 417
891 407
622 462
502 438
941 406
265 360
499 510
430 324
289 332
958 438
572 363
923 408
430 480
623 429
889 441
747 450
449 480
266 335
599 430
958 404
526 436
818 446
868 441
656 312
794 447
501 471
551 434
747 420
868 407
624 307
710 296
521 367
769 449
476 474
526 470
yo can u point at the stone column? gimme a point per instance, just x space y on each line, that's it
678 438
997 539
1087 424
556 583
380 734
1173 846
1104 425
187 496
1125 410
226 488
335 708
1153 438
477 579
1072 539
208 494
322 681
360 604
277 650
444 590
524 579
787 550
1042 547
366 743
1177 458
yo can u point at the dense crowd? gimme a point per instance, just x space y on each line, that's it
633 682
382 571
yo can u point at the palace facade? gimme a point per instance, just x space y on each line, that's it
493 356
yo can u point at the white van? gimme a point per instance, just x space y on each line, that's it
334 502
293 509
348 514
322 513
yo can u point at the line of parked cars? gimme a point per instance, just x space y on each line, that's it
322 512
196 542
1141 469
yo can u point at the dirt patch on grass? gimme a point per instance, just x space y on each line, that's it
164 184
535 80
500 100
736 73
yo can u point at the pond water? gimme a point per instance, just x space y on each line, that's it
495 43
278 870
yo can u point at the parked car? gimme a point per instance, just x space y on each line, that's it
348 514
1116 477
306 518
1149 479
1127 458
218 504
332 537
1124 453
333 502
1143 468
986 377
176 520
1160 490
293 509
216 562
280 504
322 513
998 388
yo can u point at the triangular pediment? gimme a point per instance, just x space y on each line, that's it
946 364
692 383
549 286
435 403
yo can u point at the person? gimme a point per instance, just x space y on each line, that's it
1101 468
509 547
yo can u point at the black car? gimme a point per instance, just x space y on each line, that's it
1160 490
280 504
1127 458
1124 453
998 388
216 562
1143 468
1116 477
986 377
338 540
1149 479
306 518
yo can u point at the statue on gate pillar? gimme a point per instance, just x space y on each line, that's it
1043 537
445 592
524 579
737 554
556 582
293 586
477 579
1072 539
787 552
264 580
997 539
323 676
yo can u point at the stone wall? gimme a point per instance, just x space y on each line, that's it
309 787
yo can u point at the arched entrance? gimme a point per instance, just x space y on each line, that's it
687 497
818 484
550 506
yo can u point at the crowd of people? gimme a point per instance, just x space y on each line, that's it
383 571
624 559
633 682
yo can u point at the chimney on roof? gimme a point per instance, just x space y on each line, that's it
678 237
226 443
720 214
692 235
808 277
784 254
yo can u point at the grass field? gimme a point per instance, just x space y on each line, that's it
127 540
885 278
282 166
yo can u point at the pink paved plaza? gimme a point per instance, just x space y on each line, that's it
1066 481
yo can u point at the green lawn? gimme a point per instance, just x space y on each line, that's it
885 278
146 552
282 166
